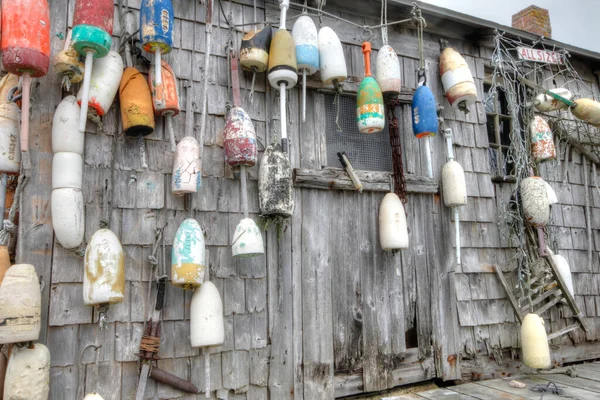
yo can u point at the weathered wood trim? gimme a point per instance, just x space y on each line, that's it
410 371
337 178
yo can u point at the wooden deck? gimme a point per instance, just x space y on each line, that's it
584 387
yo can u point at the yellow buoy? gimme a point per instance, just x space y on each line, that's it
587 110
137 112
534 341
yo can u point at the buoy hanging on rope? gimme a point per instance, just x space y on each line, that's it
275 186
137 112
562 265
67 171
331 57
104 270
207 327
239 139
67 65
534 342
306 39
156 31
187 174
542 142
370 113
388 71
65 127
424 113
10 154
25 48
587 110
104 84
20 305
28 373
188 255
254 51
247 239
545 103
165 98
536 207
457 80
393 231
93 26
68 217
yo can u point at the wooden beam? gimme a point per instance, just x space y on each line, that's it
338 179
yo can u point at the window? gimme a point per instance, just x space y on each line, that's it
499 126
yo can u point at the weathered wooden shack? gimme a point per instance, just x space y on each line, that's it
325 312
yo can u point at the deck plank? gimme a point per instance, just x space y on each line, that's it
444 394
485 393
579 382
574 392
588 371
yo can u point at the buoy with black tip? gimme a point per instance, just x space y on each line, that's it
534 343
283 68
188 257
104 273
587 110
370 113
454 187
545 103
156 31
92 30
165 98
542 141
25 48
104 85
239 141
20 305
306 39
536 207
388 71
67 64
254 52
424 117
332 62
28 373
393 230
457 80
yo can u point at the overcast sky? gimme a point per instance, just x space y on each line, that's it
573 21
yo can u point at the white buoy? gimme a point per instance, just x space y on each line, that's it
388 70
68 217
457 79
331 57
534 342
247 239
393 231
187 175
544 102
565 271
104 270
65 127
10 147
28 373
20 305
454 184
67 171
552 198
93 396
206 317
306 39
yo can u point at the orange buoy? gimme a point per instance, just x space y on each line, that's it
165 98
4 263
137 112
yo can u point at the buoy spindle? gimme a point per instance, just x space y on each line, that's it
243 189
157 67
26 90
304 95
87 77
282 100
366 50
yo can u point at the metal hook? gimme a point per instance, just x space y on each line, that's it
366 34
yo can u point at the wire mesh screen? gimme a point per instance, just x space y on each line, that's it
370 152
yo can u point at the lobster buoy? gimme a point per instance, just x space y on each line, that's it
388 71
8 86
393 231
306 39
10 149
370 113
93 396
247 239
457 79
4 264
67 64
534 198
254 52
137 111
68 217
587 110
207 327
65 127
564 270
453 182
239 139
104 270
544 102
542 143
156 31
28 373
104 83
20 305
165 97
187 174
536 352
188 255
331 57
552 198
424 113
283 68
275 191
67 171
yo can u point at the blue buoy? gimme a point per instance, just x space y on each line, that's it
424 113
156 30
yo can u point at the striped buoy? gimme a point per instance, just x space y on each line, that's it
188 255
388 71
457 79
370 113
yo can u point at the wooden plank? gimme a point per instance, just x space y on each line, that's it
484 393
438 394
588 371
575 393
511 297
563 331
422 236
577 382
337 178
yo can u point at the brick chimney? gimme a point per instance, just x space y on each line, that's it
534 20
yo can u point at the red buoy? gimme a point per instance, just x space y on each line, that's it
26 50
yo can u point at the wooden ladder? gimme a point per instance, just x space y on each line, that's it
538 296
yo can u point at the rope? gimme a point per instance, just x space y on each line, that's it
384 29
339 89
150 344
11 230
320 4
399 181
421 24
105 220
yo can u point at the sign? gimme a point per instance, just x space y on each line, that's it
542 56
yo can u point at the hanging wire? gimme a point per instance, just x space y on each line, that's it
421 24
320 4
384 28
